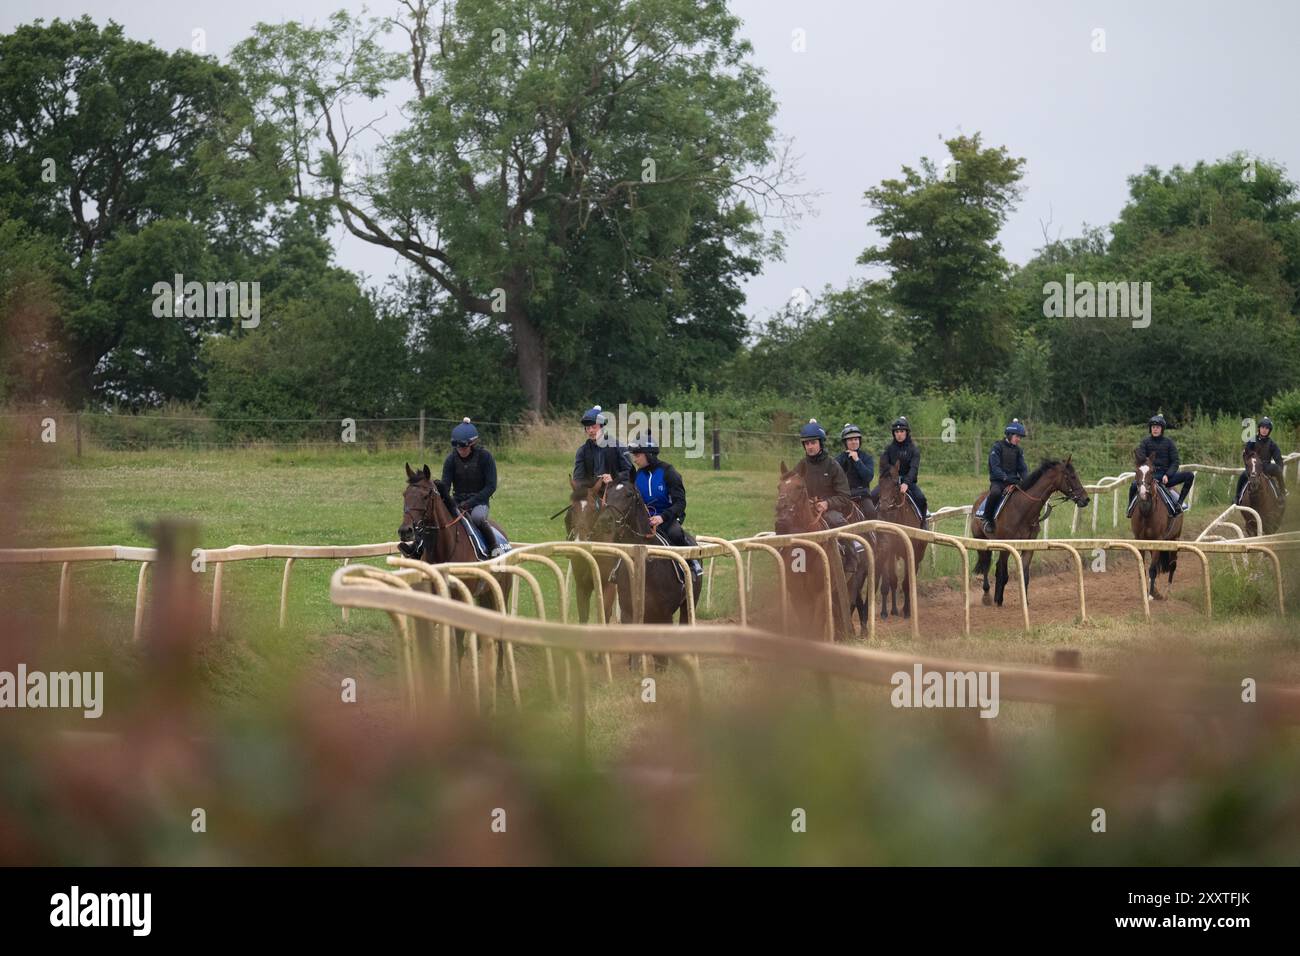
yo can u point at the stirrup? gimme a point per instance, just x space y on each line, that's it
1184 505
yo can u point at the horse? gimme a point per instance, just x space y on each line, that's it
895 506
796 513
1026 507
433 530
624 519
1260 493
1151 521
579 523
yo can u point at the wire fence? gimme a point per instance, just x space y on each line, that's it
713 443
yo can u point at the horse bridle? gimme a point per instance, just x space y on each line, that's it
622 517
421 528
787 513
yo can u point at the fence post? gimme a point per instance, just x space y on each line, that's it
977 454
717 452
422 429
78 430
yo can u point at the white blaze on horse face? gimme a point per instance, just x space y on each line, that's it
1142 485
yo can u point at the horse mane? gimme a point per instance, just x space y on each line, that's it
1038 472
445 495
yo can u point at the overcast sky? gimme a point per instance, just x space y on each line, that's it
879 83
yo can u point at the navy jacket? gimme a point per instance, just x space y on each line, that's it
1267 450
592 460
472 479
1007 462
908 456
859 472
1164 454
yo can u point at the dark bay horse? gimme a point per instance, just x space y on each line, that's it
1151 521
1261 493
433 530
796 513
624 519
1022 516
579 524
895 506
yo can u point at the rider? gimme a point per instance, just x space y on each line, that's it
1164 454
597 460
857 464
1270 456
905 453
1006 468
661 488
470 472
822 476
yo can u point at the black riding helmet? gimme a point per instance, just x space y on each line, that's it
1157 420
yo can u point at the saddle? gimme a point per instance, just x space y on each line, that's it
500 546
1006 496
1166 496
1272 486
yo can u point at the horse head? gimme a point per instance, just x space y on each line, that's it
1145 477
417 501
890 494
1069 484
584 506
794 509
623 516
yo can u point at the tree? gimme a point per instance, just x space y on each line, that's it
947 273
100 138
533 125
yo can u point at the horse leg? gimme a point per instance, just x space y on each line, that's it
982 569
884 592
1151 575
1000 591
1029 559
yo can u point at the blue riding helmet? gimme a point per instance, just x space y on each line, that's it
593 416
464 434
1015 428
812 430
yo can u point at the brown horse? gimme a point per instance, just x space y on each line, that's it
433 530
579 524
894 505
623 518
1022 516
1151 521
796 513
1260 493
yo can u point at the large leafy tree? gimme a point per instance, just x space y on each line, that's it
947 272
103 139
1220 245
537 129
